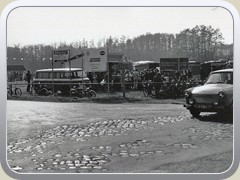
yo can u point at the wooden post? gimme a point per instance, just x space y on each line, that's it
82 73
123 79
70 72
124 83
108 71
52 75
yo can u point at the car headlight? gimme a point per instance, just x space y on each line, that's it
190 101
221 94
187 93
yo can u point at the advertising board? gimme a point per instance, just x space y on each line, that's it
173 64
95 60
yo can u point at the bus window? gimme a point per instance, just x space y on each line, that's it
57 75
43 75
80 74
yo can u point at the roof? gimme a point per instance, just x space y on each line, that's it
59 69
16 68
223 70
219 61
137 63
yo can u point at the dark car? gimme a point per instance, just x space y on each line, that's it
216 95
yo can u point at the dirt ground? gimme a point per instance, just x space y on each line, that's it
154 136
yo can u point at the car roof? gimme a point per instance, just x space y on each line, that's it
223 70
59 70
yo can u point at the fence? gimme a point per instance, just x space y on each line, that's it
167 89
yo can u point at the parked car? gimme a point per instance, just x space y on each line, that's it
216 95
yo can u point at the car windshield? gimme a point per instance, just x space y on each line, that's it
220 78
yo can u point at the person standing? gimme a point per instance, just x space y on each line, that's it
157 84
28 79
135 76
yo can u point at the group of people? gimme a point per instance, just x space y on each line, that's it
15 76
153 78
134 79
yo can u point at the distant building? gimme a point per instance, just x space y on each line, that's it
141 65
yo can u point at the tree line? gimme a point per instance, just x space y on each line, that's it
201 43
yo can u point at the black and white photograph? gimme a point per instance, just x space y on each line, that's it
119 90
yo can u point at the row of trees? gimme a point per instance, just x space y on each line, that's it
201 43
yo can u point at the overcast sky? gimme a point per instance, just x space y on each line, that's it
48 25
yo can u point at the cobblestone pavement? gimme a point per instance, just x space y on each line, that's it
73 148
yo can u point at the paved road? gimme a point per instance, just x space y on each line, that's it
119 138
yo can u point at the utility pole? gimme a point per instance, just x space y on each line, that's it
70 72
123 78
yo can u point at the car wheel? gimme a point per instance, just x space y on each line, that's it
227 112
194 112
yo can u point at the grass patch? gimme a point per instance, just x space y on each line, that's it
102 97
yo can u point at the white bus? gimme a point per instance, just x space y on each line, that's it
61 80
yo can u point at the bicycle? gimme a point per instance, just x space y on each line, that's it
148 89
16 91
40 89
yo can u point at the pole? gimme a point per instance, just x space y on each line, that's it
82 72
124 81
123 78
70 72
52 74
178 64
108 71
160 65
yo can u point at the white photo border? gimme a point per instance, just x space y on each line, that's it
122 3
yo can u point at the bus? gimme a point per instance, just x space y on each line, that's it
61 80
207 67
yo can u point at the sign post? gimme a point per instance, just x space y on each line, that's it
70 72
60 56
108 71
52 75
82 73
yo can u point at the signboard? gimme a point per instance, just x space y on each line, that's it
173 64
61 56
95 60
115 57
183 63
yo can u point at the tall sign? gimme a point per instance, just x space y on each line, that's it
61 55
95 60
